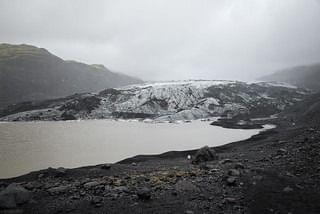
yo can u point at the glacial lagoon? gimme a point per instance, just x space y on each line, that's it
30 146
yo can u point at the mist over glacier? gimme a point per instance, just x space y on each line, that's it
164 40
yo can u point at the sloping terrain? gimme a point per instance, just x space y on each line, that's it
29 73
306 112
307 76
276 171
166 101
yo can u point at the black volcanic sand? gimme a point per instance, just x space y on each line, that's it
277 171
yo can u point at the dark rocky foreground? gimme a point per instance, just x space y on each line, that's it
277 171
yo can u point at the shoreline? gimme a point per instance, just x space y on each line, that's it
249 176
198 123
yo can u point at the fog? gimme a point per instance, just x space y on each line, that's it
166 39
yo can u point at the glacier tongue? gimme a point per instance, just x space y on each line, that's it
172 101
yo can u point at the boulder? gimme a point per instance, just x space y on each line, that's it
59 189
144 193
204 154
14 195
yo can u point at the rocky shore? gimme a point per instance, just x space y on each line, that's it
276 171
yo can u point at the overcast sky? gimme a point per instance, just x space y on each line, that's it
170 39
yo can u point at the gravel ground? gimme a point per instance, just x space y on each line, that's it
277 171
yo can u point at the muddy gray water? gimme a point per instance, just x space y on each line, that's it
29 146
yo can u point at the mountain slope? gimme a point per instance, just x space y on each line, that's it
306 112
168 101
31 73
303 76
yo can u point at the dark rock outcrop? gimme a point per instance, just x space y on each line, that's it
14 195
204 154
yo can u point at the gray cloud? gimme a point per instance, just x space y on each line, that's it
165 39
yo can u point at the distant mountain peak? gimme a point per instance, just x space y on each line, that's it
31 73
307 76
9 50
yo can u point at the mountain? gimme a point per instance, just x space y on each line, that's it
165 101
31 73
307 76
306 111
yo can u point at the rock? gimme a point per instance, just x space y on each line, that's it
60 172
281 151
189 212
231 181
58 189
239 166
97 201
14 195
41 175
204 154
257 177
144 193
33 185
287 189
82 193
121 189
75 197
68 115
229 200
224 161
185 186
106 166
233 172
91 184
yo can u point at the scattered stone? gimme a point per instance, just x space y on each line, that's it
281 151
225 161
229 200
239 166
204 154
287 189
41 175
14 195
233 172
231 181
33 185
257 177
133 164
75 197
189 212
97 201
122 189
58 189
91 184
144 193
82 193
